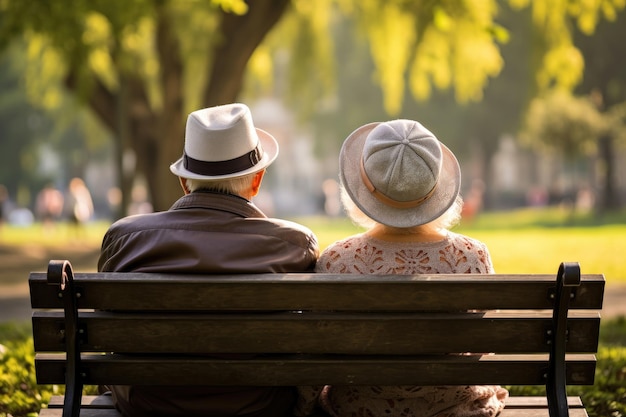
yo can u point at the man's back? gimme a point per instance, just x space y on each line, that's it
208 233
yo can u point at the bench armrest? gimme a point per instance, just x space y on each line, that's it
60 274
568 278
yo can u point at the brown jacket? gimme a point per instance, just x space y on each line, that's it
206 232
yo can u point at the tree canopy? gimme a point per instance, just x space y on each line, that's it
141 66
560 121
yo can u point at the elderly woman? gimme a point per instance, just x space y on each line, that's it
402 184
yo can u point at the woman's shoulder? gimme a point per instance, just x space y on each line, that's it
335 253
464 239
475 253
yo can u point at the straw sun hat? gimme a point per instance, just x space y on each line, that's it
221 142
398 173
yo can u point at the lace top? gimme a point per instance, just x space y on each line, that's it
362 254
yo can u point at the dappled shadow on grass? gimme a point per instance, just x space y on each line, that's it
613 332
544 217
19 260
27 249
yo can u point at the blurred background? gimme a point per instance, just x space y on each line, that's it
529 94
94 94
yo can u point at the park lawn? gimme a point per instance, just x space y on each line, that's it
523 241
519 245
57 234
599 250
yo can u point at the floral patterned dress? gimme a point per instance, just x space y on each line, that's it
366 255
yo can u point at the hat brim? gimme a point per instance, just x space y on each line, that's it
270 152
437 204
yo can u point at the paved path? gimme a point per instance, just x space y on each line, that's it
614 301
17 262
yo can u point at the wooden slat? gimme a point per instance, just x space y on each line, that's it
539 412
106 401
311 370
136 291
84 412
537 406
369 333
515 406
87 401
543 412
539 402
522 406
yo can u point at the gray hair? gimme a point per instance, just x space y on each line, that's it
446 221
237 185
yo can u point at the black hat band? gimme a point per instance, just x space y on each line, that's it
216 168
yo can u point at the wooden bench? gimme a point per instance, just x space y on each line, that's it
316 329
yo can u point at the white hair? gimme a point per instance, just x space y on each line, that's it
237 185
446 221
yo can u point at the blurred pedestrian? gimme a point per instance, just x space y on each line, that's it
49 206
79 204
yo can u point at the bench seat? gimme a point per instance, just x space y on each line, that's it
312 329
102 406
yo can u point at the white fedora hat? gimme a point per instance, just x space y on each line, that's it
398 173
221 142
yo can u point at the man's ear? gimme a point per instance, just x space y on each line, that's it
183 184
256 182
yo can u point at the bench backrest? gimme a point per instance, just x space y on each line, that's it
316 328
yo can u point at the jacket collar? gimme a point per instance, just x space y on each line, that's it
218 201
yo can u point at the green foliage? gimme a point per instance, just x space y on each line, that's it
438 44
604 66
305 37
21 127
559 62
613 333
19 393
44 142
14 332
607 397
414 46
148 54
570 124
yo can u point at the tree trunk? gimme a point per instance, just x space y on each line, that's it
158 152
121 147
157 138
610 200
241 35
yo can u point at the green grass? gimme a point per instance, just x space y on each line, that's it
534 250
529 240
525 240
17 332
58 234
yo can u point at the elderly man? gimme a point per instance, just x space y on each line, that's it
213 228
